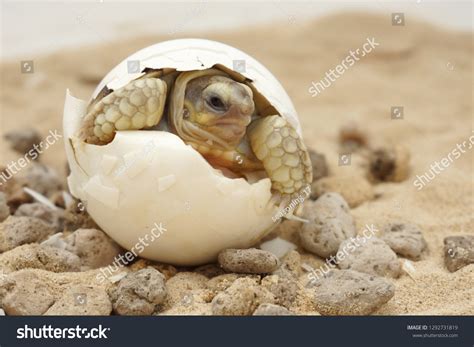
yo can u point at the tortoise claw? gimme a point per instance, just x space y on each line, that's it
135 106
284 156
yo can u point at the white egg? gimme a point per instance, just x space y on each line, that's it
155 195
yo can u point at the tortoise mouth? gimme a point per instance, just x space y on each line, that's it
235 131
231 133
235 125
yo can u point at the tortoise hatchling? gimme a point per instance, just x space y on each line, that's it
211 112
197 151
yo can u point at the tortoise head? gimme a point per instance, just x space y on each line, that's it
220 106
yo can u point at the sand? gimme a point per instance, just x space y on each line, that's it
426 70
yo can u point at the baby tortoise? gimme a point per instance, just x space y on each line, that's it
213 113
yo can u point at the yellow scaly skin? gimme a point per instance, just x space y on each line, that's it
284 156
136 106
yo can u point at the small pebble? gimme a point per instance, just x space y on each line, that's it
166 269
55 240
58 260
253 261
351 138
458 251
240 299
272 310
196 307
405 239
139 293
43 179
354 188
180 287
4 209
373 257
330 223
76 217
348 292
18 197
9 183
25 294
55 218
16 231
192 301
36 256
290 265
320 166
391 164
93 247
284 289
23 140
81 300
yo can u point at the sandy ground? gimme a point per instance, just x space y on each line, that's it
426 70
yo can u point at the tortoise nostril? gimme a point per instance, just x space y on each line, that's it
247 106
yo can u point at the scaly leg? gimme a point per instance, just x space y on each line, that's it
277 144
137 105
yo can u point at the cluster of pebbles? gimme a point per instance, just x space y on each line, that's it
53 255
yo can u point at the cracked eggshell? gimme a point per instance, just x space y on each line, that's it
144 179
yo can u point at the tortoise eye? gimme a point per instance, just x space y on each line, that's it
216 103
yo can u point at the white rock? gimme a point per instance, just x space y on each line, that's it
278 246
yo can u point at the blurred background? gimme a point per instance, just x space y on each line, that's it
34 27
421 67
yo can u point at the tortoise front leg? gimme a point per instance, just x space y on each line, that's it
135 106
284 156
